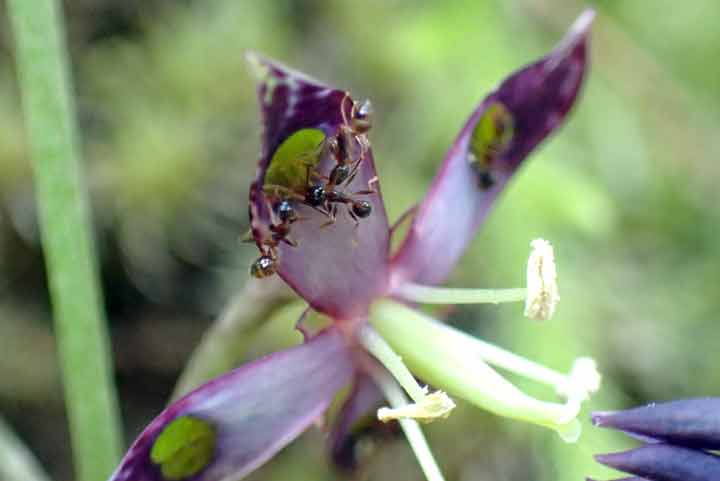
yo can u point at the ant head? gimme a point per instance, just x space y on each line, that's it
362 208
315 195
285 211
263 266
361 117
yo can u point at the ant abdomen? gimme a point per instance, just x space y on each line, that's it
362 208
264 266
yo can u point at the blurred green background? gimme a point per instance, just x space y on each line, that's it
627 193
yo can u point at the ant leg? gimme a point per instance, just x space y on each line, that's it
371 184
300 325
290 242
276 189
352 214
342 108
333 217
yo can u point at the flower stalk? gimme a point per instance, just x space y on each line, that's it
66 236
394 394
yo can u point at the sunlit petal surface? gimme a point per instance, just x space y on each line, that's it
511 121
690 422
663 462
233 424
337 267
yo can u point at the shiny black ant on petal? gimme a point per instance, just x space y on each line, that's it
362 208
264 266
315 195
285 211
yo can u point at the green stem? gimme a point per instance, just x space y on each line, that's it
66 235
16 461
380 349
449 295
410 427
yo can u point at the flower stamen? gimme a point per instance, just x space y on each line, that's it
542 289
427 407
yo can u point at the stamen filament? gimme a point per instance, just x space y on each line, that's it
410 427
448 295
381 350
449 360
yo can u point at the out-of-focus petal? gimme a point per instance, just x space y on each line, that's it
663 462
228 427
689 422
356 416
338 268
511 121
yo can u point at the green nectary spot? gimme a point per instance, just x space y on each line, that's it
492 134
291 161
184 447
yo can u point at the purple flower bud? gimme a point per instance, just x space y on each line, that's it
689 422
663 462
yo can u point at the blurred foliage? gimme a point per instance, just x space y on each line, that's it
626 192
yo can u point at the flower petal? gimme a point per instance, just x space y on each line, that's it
663 462
337 267
356 415
689 422
511 121
230 426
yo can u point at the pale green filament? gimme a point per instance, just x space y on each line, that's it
453 361
448 295
412 430
380 349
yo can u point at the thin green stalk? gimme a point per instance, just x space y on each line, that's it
380 349
450 295
394 394
66 235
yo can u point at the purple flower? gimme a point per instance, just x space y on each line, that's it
678 437
318 218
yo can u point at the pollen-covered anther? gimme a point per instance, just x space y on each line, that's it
542 289
584 379
436 405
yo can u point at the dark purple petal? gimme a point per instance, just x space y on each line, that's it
254 411
527 107
356 414
690 422
663 462
338 268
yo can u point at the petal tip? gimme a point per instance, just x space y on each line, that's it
599 418
583 23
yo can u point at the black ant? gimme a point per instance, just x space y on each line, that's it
266 264
351 130
323 198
